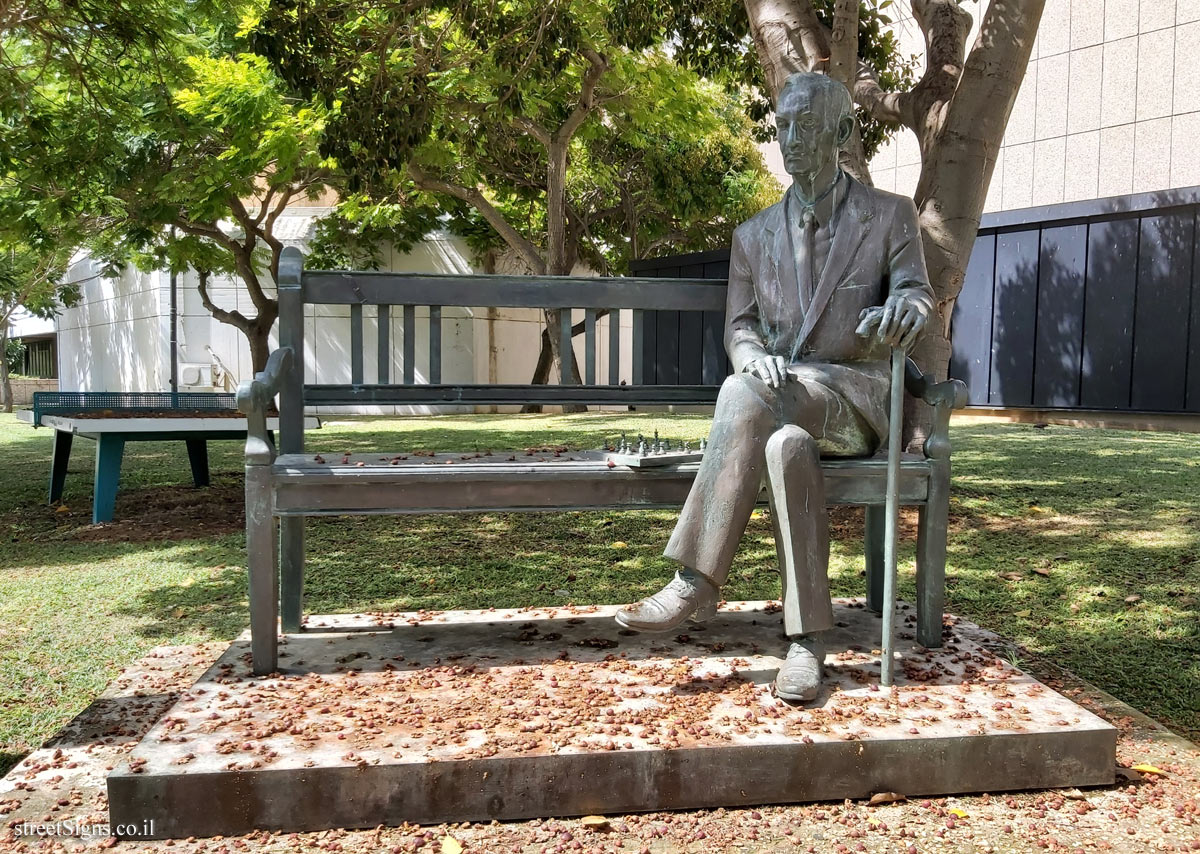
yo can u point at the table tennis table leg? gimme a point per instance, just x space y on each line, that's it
58 463
109 450
198 456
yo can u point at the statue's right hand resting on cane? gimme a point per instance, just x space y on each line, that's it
899 322
770 369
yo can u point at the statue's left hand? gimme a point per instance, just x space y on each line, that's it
900 321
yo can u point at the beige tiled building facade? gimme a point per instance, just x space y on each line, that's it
1110 106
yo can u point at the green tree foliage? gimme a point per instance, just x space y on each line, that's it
159 142
713 38
526 125
31 277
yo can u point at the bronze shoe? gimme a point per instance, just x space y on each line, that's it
687 596
799 679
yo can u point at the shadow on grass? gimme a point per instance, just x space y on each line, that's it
9 760
1080 546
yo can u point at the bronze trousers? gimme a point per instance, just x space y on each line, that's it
777 435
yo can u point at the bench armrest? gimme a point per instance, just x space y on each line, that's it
254 397
944 397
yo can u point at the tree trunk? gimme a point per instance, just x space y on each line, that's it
6 392
260 347
958 111
557 264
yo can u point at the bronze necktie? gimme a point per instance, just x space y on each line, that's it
806 257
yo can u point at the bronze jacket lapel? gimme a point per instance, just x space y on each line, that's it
853 221
781 299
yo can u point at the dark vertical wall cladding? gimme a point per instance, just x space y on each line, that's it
684 347
1061 273
971 357
712 333
1014 319
1088 305
666 341
1193 373
1108 314
691 335
1160 329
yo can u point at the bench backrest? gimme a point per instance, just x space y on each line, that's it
700 298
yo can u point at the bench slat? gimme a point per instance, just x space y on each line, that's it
598 395
304 487
474 291
614 346
384 348
356 344
435 344
410 344
589 346
565 346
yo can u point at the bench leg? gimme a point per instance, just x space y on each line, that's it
876 521
291 572
198 456
933 521
109 450
58 463
262 561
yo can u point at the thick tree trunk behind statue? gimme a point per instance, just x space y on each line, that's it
6 392
958 111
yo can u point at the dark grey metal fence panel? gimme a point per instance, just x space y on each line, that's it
716 360
1061 275
666 340
1014 319
1108 314
1160 329
1193 385
1046 316
691 337
971 356
685 346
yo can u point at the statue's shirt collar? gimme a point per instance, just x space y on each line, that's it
826 206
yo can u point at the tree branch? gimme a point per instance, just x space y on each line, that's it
788 37
946 26
533 129
233 318
472 196
597 65
843 42
883 106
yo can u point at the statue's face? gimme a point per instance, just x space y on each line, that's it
807 122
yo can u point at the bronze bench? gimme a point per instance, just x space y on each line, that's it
285 487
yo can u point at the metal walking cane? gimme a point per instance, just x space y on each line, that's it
891 533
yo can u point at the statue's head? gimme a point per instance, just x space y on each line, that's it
814 116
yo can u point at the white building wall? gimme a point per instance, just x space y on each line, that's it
111 340
1110 105
117 338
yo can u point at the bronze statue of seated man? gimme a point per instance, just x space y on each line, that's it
821 285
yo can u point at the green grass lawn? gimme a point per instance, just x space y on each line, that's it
1054 532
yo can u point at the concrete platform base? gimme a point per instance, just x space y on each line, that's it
469 716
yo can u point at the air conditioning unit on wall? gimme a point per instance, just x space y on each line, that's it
196 375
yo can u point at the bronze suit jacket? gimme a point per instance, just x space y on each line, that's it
876 250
